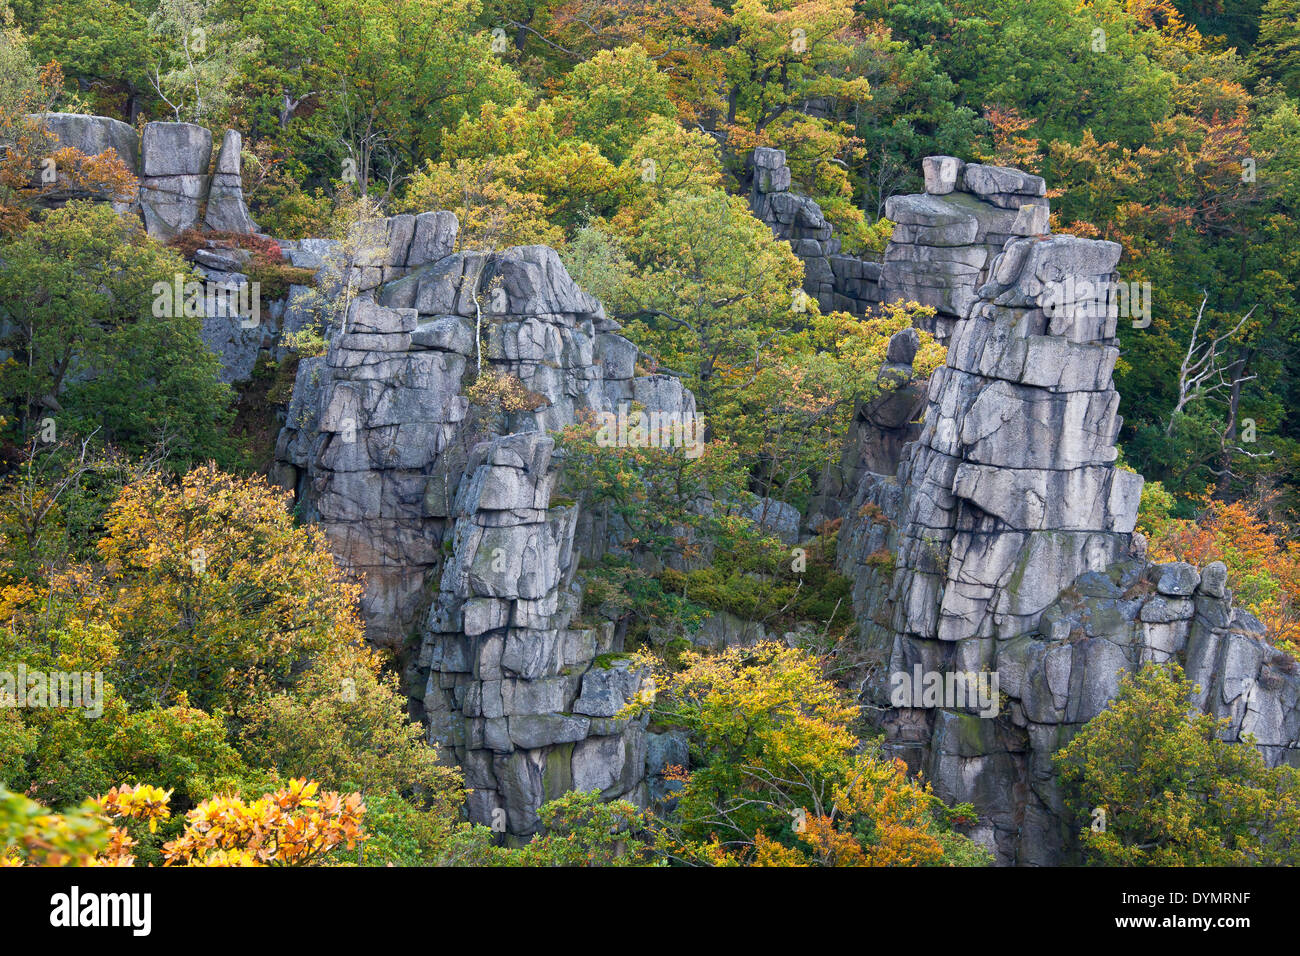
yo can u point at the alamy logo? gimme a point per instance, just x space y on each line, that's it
194 299
642 429
133 910
1093 300
82 690
955 690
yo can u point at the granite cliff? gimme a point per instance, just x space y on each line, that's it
987 527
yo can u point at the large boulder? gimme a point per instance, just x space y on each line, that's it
174 181
93 135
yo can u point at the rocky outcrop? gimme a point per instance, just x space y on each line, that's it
1003 546
241 324
173 162
527 700
226 210
1065 672
448 509
943 243
1015 463
93 135
174 179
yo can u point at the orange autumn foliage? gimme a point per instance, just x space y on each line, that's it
294 826
879 818
30 153
1263 569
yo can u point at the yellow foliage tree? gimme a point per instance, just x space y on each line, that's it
779 779
295 826
214 592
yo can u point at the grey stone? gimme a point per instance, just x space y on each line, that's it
903 347
93 135
448 333
541 730
777 517
229 260
1214 579
1163 610
175 149
1177 579
434 238
994 180
607 689
598 763
942 173
226 210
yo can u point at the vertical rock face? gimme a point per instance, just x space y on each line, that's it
1015 463
174 160
1003 545
526 701
449 512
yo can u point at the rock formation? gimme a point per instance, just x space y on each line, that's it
838 282
1003 545
946 238
449 510
987 526
93 135
943 243
226 211
173 163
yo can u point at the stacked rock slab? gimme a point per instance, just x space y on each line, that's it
1011 490
527 703
391 247
366 420
1014 466
1003 546
838 282
946 238
174 160
1065 672
450 514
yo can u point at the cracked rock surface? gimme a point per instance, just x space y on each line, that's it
1002 543
469 558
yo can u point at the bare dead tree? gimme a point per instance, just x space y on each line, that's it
1205 369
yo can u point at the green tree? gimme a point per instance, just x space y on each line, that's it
361 94
776 774
611 97
712 291
110 62
1169 790
1277 52
197 58
580 829
87 351
216 595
